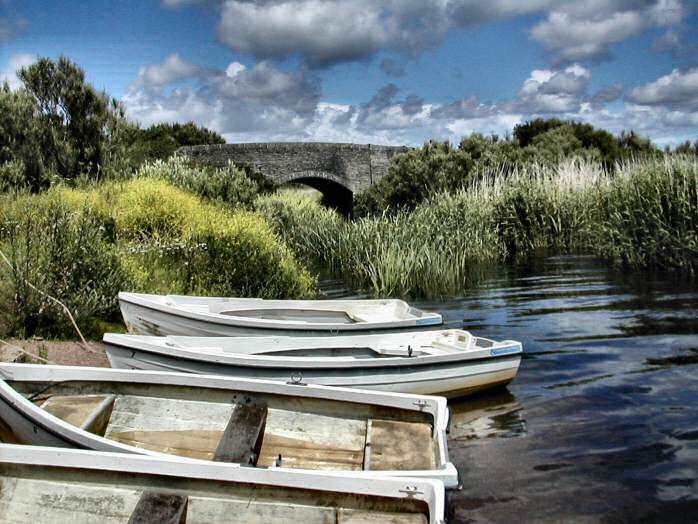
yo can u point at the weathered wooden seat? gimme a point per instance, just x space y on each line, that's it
242 439
313 441
209 430
160 508
188 428
88 412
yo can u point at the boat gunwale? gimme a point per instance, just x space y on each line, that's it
291 362
429 491
435 406
143 300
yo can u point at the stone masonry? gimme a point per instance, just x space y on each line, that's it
353 166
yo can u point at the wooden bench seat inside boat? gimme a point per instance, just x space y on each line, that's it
69 502
250 433
88 412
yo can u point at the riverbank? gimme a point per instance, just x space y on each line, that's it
61 352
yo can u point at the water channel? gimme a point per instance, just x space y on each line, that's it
601 424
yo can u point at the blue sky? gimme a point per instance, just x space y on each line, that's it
379 71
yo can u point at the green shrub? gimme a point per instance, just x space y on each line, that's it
413 176
230 184
174 241
63 251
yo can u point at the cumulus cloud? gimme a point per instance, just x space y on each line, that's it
606 95
236 100
172 70
576 31
14 63
547 91
264 103
385 111
325 32
676 91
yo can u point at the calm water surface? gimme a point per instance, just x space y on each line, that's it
601 424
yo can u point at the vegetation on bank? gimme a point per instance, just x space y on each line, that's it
644 215
91 204
440 167
83 246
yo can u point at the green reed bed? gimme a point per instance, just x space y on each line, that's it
644 216
647 216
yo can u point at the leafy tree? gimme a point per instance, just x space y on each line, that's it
526 132
160 141
21 159
553 145
491 152
75 119
414 175
588 136
633 145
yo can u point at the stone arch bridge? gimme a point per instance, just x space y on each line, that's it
339 171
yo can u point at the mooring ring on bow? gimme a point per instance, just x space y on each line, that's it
296 378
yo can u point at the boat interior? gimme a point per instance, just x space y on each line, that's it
354 346
322 312
255 429
79 495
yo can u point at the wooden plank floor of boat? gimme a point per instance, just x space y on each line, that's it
198 429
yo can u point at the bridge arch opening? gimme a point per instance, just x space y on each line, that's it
334 194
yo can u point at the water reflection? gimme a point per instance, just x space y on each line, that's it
488 415
601 425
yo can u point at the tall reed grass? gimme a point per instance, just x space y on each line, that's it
645 216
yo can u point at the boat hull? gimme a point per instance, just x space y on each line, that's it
449 379
141 319
45 484
22 422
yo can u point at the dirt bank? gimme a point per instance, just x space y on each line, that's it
68 353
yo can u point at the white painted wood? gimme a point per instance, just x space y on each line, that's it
211 316
348 516
31 424
448 362
68 485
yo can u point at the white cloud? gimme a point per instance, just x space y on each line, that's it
324 32
264 103
547 91
235 100
677 90
14 63
173 69
576 31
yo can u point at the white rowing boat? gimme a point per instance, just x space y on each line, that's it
446 362
210 316
68 486
243 422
